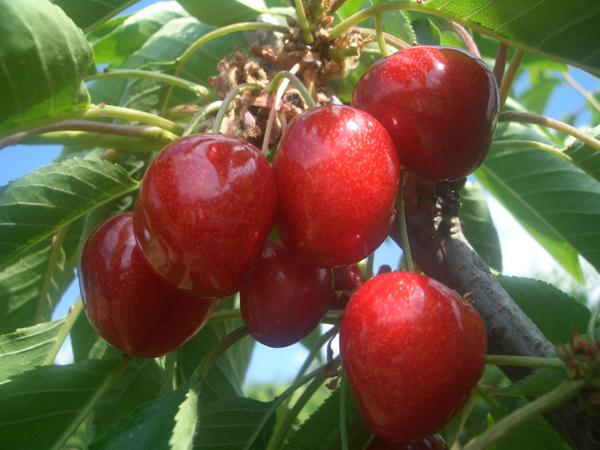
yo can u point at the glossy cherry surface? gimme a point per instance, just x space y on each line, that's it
284 300
434 442
412 350
206 206
337 175
439 104
127 302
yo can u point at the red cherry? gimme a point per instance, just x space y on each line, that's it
127 302
205 209
434 442
284 300
337 175
412 350
439 104
347 278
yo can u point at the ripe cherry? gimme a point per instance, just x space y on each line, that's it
347 278
127 302
284 300
434 442
412 350
205 209
337 175
439 104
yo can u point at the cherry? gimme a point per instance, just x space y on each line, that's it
205 209
127 302
412 350
337 175
347 278
434 442
439 104
284 300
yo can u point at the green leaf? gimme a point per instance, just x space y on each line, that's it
186 423
40 408
348 8
322 429
555 313
586 157
536 384
43 58
536 434
36 206
536 97
127 38
478 225
224 12
398 24
427 32
89 14
557 203
565 31
27 348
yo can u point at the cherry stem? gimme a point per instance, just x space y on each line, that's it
160 77
389 39
343 414
500 63
228 100
303 22
582 91
380 36
466 38
370 265
200 116
145 133
510 76
336 6
465 412
225 314
64 331
310 102
132 115
325 337
219 32
535 362
215 352
403 229
522 144
539 406
522 117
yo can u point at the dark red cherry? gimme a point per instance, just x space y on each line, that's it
434 442
205 209
284 300
347 278
337 175
127 302
439 104
412 350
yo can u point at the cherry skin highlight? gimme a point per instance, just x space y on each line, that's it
206 206
127 303
439 104
337 175
284 300
412 350
434 442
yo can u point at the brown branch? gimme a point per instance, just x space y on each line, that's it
441 250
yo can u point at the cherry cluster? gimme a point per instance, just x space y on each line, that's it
411 347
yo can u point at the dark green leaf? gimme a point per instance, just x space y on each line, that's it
36 206
89 14
536 97
478 225
536 434
43 58
566 31
37 408
224 12
586 158
427 33
555 313
536 384
27 348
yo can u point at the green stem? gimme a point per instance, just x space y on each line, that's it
171 80
315 350
539 406
132 115
466 37
410 265
535 144
534 362
343 414
214 353
104 387
64 331
486 397
514 116
500 63
303 22
228 100
464 415
510 76
594 317
380 34
225 314
201 115
295 82
370 265
389 38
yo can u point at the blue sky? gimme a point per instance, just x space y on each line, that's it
269 364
